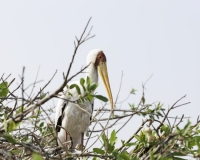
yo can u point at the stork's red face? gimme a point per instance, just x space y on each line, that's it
100 63
100 58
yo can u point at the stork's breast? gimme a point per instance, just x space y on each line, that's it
77 120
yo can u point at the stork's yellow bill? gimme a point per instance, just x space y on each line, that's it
100 63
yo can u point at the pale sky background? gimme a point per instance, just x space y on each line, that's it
140 38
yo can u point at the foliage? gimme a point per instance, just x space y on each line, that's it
156 138
88 87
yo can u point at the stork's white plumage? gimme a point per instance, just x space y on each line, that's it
75 118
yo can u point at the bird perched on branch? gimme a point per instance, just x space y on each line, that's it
73 115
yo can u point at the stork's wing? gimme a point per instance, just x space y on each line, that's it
61 105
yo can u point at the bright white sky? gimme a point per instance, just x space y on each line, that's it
140 38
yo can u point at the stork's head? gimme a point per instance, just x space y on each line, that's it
98 58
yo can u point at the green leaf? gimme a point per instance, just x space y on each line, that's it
93 87
102 98
88 81
132 106
77 88
104 138
123 142
178 130
11 126
36 156
187 127
90 97
113 138
142 137
105 141
115 153
19 109
197 141
130 144
51 130
143 100
110 148
82 82
9 138
15 151
124 155
165 129
137 137
158 112
41 124
43 96
98 151
83 100
87 133
33 117
88 87
133 91
151 156
3 89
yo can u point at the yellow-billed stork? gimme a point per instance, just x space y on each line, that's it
74 119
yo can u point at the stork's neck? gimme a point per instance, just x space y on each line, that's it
92 73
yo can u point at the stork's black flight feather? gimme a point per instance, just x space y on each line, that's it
59 122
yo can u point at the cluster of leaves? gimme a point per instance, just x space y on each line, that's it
175 145
3 89
153 111
3 94
21 138
110 149
88 87
5 111
156 138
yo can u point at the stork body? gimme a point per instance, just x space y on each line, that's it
74 119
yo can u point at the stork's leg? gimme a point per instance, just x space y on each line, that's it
82 139
66 135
